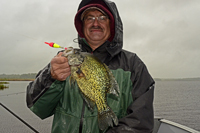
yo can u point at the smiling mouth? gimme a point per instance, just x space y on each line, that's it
96 30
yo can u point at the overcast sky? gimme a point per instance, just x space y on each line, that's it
164 34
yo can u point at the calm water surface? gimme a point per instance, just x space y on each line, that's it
17 103
178 101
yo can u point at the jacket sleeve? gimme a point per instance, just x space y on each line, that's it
39 96
36 88
140 118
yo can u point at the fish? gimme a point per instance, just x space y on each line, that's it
94 80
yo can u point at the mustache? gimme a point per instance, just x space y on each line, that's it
96 28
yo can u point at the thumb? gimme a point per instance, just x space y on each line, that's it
60 54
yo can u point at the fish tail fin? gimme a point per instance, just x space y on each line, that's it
106 119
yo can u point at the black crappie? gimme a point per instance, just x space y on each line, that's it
95 80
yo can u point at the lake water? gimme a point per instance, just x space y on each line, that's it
178 101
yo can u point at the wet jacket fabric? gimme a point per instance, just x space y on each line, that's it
133 107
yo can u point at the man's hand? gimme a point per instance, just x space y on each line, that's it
60 68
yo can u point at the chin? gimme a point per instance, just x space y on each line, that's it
97 38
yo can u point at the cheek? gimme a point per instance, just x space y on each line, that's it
85 29
107 29
84 32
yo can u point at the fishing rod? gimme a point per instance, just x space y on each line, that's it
19 118
12 94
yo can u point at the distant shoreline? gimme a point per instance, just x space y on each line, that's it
156 79
31 77
16 79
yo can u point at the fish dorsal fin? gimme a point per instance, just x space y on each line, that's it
114 87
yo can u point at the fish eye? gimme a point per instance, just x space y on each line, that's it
76 51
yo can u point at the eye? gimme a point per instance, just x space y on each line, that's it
102 18
89 18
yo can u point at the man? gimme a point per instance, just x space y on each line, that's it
99 32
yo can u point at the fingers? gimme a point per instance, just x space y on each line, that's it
60 68
60 75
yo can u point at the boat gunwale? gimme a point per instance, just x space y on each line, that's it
171 123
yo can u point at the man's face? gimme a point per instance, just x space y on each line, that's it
96 32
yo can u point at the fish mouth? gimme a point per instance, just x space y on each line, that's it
68 51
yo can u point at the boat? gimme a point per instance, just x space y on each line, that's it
165 126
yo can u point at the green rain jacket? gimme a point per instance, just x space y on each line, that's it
133 107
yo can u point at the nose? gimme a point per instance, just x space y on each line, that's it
96 22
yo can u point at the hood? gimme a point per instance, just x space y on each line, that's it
115 45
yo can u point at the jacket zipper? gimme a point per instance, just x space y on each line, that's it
81 121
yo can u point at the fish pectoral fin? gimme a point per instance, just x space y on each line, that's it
89 102
80 73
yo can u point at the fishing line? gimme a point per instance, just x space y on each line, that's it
24 35
74 40
19 118
51 44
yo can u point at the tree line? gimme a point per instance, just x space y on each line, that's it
18 76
